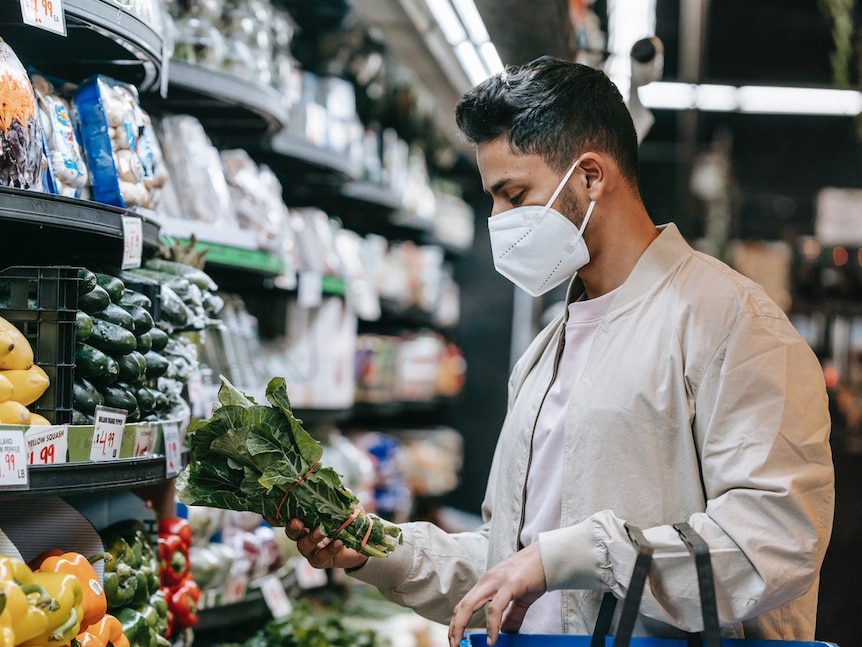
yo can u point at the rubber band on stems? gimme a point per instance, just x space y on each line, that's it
350 520
310 471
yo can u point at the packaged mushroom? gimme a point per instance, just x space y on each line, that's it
125 168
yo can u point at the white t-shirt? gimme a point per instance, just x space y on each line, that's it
546 470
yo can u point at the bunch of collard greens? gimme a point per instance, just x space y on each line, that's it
258 458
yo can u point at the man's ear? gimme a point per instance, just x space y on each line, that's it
594 169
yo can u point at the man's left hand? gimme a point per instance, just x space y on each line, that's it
517 581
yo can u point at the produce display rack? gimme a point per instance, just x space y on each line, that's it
233 110
72 478
110 40
65 230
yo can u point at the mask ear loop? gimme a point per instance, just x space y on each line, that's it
560 188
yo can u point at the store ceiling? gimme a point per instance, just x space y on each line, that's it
768 42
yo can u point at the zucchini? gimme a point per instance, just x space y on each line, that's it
94 300
112 372
173 310
148 399
112 338
132 367
116 315
88 280
142 320
113 286
145 342
157 365
90 361
132 297
83 325
193 274
81 418
120 395
85 396
159 339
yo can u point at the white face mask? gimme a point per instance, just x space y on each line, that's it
537 247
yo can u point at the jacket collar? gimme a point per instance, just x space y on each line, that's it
662 254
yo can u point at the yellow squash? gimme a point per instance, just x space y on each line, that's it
7 389
29 384
15 350
14 413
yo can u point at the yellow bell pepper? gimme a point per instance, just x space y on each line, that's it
28 603
64 622
7 633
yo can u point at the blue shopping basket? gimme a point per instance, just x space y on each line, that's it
623 638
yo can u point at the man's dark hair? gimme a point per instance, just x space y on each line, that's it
554 109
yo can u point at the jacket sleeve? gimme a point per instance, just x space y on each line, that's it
431 571
762 428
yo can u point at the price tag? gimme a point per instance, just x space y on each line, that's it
308 577
145 440
13 460
133 242
47 445
107 434
275 597
45 14
310 289
234 588
173 459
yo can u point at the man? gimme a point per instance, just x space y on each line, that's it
670 389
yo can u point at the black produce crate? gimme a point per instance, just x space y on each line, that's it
42 303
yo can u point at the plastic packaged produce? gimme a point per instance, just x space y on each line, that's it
67 173
118 151
196 168
258 208
22 160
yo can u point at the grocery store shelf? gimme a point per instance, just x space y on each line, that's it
234 111
102 38
65 230
71 478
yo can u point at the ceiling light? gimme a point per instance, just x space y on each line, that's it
462 27
750 99
447 20
470 61
472 20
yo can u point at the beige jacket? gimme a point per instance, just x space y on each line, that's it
699 402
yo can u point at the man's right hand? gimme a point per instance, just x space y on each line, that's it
320 551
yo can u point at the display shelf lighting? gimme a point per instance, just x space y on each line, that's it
462 27
752 99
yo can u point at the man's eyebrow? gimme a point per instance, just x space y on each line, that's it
498 186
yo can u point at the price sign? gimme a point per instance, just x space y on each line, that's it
13 460
308 577
309 293
107 433
47 445
145 440
276 599
173 459
234 588
133 242
45 14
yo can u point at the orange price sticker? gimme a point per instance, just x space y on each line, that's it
13 460
45 14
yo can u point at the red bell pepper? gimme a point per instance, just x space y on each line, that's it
184 604
175 539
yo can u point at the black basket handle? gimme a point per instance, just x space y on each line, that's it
711 636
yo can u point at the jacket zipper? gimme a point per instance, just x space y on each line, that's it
561 344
